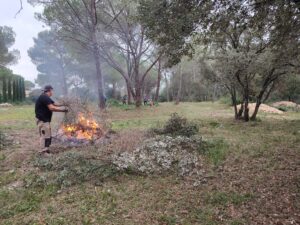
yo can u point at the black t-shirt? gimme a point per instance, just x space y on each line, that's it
41 108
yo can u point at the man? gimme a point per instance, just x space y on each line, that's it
44 107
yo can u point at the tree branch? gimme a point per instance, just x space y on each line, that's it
21 8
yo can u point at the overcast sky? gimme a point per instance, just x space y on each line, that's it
26 27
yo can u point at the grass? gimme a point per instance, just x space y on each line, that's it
246 166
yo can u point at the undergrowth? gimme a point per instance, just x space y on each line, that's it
177 126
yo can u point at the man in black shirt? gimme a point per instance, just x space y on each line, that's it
44 107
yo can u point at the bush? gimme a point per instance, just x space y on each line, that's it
177 126
113 102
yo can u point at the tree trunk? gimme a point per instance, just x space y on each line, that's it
63 73
65 87
246 110
253 117
99 76
97 56
128 93
158 81
138 95
113 93
178 97
241 111
167 88
234 102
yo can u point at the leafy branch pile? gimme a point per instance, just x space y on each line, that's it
177 126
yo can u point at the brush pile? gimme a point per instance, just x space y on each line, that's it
80 126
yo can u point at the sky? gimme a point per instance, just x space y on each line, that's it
26 28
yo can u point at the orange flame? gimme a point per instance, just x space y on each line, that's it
84 129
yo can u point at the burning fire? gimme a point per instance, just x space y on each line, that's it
84 129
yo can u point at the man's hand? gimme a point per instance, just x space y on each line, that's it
65 110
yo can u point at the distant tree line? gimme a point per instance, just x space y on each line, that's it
12 87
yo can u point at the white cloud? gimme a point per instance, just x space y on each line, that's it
26 27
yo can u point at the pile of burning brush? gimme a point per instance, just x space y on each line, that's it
80 126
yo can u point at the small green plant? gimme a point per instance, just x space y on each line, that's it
177 126
215 150
167 220
205 216
223 198
114 102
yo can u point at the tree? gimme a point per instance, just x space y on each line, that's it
7 39
12 86
169 23
126 48
79 21
258 41
253 42
29 85
50 55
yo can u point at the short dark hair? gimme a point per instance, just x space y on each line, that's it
47 88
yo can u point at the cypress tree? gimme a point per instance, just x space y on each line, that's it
14 90
9 95
4 89
1 81
22 88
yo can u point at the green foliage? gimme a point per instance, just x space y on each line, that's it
215 150
205 216
223 198
74 168
169 23
7 39
57 67
34 94
13 88
225 100
168 220
28 85
114 102
177 126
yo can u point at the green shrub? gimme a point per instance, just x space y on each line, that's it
177 126
114 102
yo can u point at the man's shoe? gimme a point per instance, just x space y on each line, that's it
45 151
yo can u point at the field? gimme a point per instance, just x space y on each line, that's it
252 173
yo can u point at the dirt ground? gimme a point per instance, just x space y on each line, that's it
256 180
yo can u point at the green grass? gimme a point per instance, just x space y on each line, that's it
223 199
17 117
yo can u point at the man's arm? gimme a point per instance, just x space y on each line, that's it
54 108
58 105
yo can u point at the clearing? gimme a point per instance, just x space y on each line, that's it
253 173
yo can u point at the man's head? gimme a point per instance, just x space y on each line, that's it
48 90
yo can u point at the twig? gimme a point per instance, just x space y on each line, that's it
21 8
